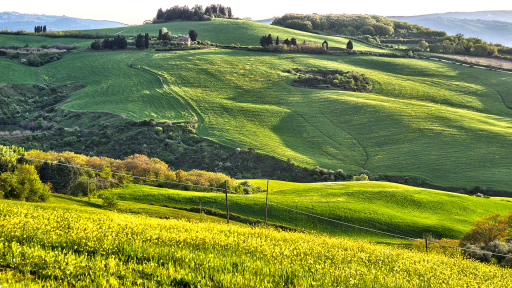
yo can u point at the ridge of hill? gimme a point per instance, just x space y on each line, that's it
491 15
19 21
489 30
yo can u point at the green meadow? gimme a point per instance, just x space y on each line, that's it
388 207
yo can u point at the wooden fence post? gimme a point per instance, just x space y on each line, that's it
227 207
266 204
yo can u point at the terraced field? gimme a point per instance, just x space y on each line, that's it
387 207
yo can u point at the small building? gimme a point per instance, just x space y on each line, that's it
183 39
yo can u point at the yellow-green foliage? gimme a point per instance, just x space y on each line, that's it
84 247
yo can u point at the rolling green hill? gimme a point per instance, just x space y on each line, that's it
444 123
387 207
227 32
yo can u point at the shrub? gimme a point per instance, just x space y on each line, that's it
109 200
361 177
159 130
33 60
24 184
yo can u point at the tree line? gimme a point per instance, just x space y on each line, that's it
267 41
355 25
196 13
117 42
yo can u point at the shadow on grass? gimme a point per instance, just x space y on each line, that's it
78 201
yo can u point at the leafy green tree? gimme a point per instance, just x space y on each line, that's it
214 9
367 30
270 41
96 45
230 13
325 45
263 41
350 45
9 157
423 46
193 35
286 42
222 10
62 176
23 184
208 11
160 14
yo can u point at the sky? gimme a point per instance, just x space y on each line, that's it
135 12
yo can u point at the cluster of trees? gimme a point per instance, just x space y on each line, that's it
117 42
487 236
142 42
354 25
291 46
331 79
164 35
18 179
196 13
458 44
40 29
135 165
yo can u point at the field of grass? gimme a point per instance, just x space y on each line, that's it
59 246
227 32
38 41
387 207
442 122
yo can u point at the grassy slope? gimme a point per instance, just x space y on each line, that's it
115 87
77 246
443 122
387 207
227 32
37 41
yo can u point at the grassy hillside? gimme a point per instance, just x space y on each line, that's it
443 122
38 41
227 32
387 207
76 246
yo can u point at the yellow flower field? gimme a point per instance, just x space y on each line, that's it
85 247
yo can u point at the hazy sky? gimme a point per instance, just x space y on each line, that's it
135 12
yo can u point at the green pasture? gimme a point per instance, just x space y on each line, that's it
227 32
442 122
114 86
38 41
387 207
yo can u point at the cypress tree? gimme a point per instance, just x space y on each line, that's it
139 41
230 14
146 40
193 35
270 41
325 45
35 29
350 45
277 40
286 42
160 34
293 42
44 29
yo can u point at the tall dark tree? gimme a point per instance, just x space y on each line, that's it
193 35
277 40
270 41
208 11
122 42
35 29
160 14
214 9
96 45
350 45
44 29
293 42
325 45
286 42
106 44
139 41
62 176
230 13
160 34
146 40
263 41
222 10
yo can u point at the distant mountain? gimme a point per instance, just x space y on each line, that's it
264 21
491 31
505 16
18 21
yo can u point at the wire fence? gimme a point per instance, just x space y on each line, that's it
225 190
